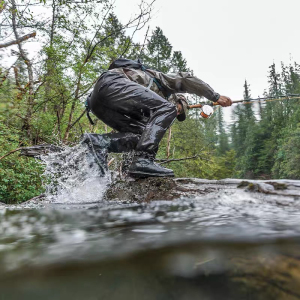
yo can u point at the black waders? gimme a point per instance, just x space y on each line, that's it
139 115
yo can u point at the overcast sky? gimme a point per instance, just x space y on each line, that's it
227 41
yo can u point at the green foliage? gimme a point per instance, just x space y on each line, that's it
287 160
20 178
268 146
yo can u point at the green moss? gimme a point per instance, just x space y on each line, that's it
243 184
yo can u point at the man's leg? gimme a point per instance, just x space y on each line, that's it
113 142
127 106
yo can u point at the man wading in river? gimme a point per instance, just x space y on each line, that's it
141 104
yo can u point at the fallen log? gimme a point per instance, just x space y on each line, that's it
39 150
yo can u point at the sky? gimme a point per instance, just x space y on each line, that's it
227 41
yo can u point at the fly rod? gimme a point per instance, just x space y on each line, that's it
207 109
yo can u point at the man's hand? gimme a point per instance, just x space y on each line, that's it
224 101
179 109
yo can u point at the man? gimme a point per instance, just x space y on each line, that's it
141 104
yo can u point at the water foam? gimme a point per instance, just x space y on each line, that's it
74 176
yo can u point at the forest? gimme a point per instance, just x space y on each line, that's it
50 58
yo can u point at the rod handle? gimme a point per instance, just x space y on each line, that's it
200 105
195 106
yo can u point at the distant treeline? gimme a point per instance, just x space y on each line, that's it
267 143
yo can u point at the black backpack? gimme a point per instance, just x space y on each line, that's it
127 63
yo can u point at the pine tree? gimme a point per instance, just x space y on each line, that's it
247 91
223 145
178 63
158 52
247 108
275 88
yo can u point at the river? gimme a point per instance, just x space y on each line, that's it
227 243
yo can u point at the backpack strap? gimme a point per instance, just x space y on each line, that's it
150 83
157 82
86 104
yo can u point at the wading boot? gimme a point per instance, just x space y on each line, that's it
144 166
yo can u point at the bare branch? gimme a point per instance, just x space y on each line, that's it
11 152
166 161
144 41
21 39
110 162
169 142
41 196
128 25
100 27
82 114
135 30
16 76
29 69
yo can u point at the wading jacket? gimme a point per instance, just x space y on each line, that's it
181 82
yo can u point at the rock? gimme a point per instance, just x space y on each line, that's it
144 190
149 189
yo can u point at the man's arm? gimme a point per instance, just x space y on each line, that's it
185 82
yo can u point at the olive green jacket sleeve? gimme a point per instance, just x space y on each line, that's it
182 82
185 82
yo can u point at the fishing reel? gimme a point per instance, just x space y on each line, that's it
206 110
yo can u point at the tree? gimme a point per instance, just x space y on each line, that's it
158 52
178 63
275 88
223 145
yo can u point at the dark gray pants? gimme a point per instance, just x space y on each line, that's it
128 107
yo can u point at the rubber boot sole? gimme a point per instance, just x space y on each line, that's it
145 175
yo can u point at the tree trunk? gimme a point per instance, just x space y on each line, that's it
30 100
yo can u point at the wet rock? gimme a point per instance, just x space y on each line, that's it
278 185
143 190
257 187
149 189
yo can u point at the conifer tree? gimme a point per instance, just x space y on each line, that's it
178 63
274 82
248 108
223 145
158 52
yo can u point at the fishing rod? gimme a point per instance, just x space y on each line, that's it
207 109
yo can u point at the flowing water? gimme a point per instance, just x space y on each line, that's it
221 245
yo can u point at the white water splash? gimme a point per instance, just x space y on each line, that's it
74 176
